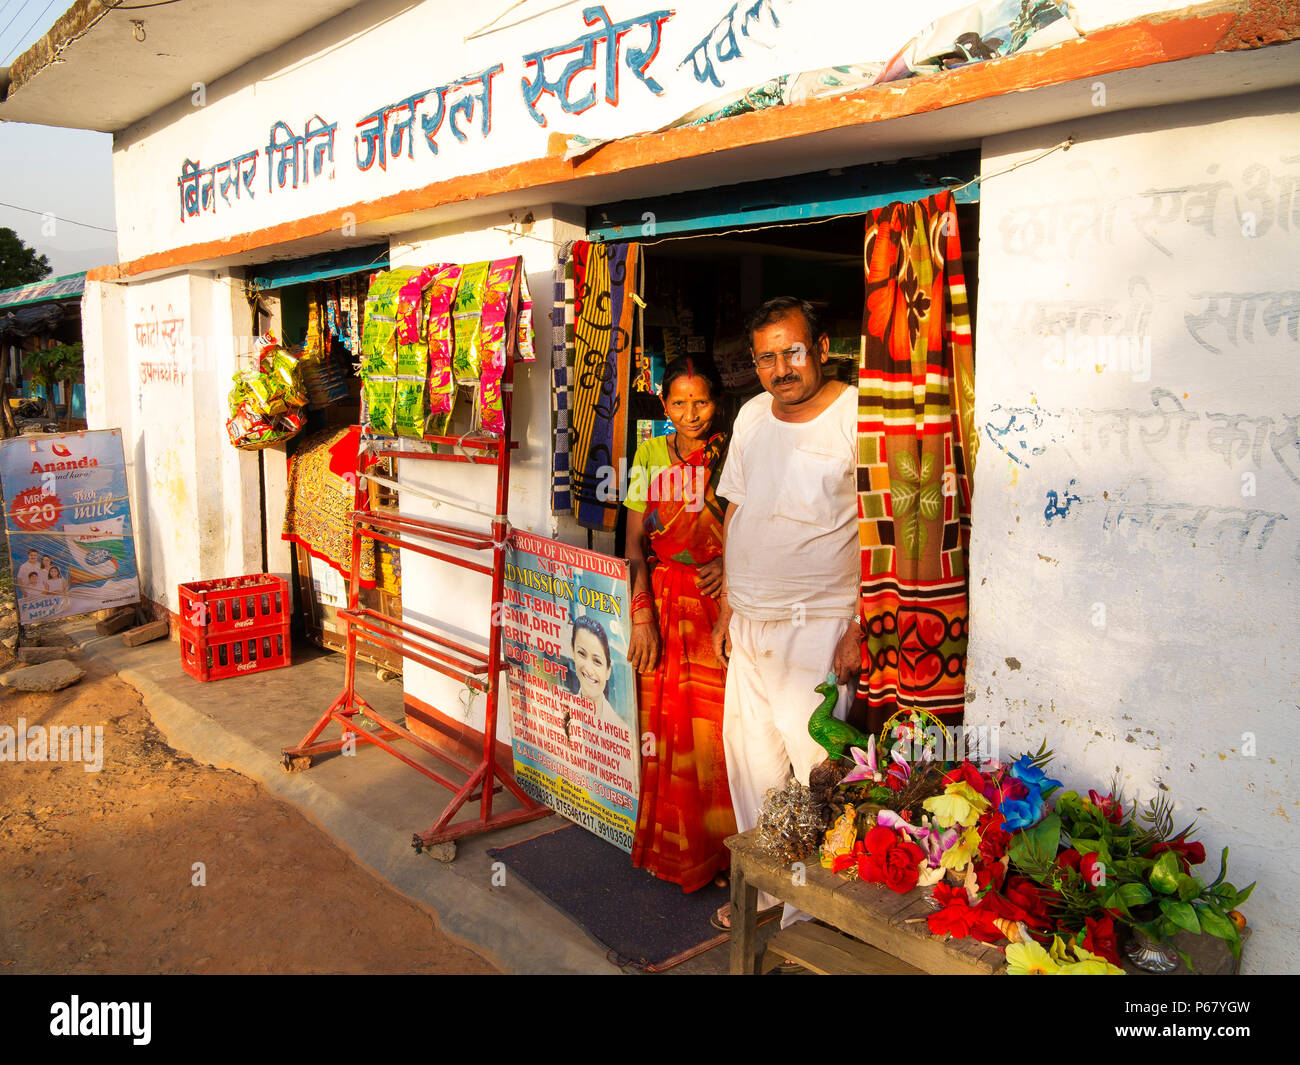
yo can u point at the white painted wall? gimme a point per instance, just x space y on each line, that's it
1137 530
435 593
381 53
159 358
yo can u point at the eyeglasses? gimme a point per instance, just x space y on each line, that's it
795 356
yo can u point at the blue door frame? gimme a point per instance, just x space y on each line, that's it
804 197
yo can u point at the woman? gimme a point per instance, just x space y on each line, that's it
674 543
55 582
592 666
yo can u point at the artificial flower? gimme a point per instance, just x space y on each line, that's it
897 774
1022 813
1031 776
989 875
958 857
864 764
1110 809
994 838
1029 959
1099 938
960 804
1088 964
1189 854
1093 870
890 859
1021 900
1069 859
968 773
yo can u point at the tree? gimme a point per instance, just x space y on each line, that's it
19 264
61 363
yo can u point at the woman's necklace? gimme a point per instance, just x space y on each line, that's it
672 446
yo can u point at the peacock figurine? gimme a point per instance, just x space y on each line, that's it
834 735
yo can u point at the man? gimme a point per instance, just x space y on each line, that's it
791 556
31 574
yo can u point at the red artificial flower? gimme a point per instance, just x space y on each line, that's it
1100 938
968 773
989 875
1011 788
994 839
903 868
890 860
1093 870
958 918
1020 900
1069 859
1109 807
1189 854
944 893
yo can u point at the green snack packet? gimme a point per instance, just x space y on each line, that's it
410 408
380 405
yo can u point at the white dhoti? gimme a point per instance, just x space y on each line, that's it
773 669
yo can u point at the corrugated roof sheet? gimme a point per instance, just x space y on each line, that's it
52 288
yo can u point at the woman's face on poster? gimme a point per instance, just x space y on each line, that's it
592 664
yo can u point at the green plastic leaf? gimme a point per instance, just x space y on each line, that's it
1218 925
1165 873
1133 894
1223 867
1226 895
1243 894
1181 914
1189 887
1086 846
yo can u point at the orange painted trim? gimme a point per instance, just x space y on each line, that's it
1206 30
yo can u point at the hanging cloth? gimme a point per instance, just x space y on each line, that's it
323 492
602 317
561 499
916 451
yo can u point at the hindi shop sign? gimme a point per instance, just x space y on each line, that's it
69 524
573 714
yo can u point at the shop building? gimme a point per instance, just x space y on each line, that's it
1132 248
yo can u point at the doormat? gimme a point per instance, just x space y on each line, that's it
647 923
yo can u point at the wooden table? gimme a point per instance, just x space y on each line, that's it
870 912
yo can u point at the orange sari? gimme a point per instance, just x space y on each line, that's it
685 808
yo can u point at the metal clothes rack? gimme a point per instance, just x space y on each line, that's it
478 671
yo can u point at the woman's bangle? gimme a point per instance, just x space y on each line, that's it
642 601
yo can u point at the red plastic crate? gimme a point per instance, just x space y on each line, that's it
235 625
234 603
231 654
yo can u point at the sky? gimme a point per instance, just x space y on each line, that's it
46 171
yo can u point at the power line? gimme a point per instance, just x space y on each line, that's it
57 218
14 19
29 29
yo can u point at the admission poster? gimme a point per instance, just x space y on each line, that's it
69 524
572 690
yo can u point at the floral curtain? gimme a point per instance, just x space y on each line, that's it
916 454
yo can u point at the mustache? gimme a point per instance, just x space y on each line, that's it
788 379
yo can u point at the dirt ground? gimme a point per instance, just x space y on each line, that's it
98 869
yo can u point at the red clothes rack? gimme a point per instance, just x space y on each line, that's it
479 671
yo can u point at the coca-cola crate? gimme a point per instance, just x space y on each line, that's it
230 604
215 657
